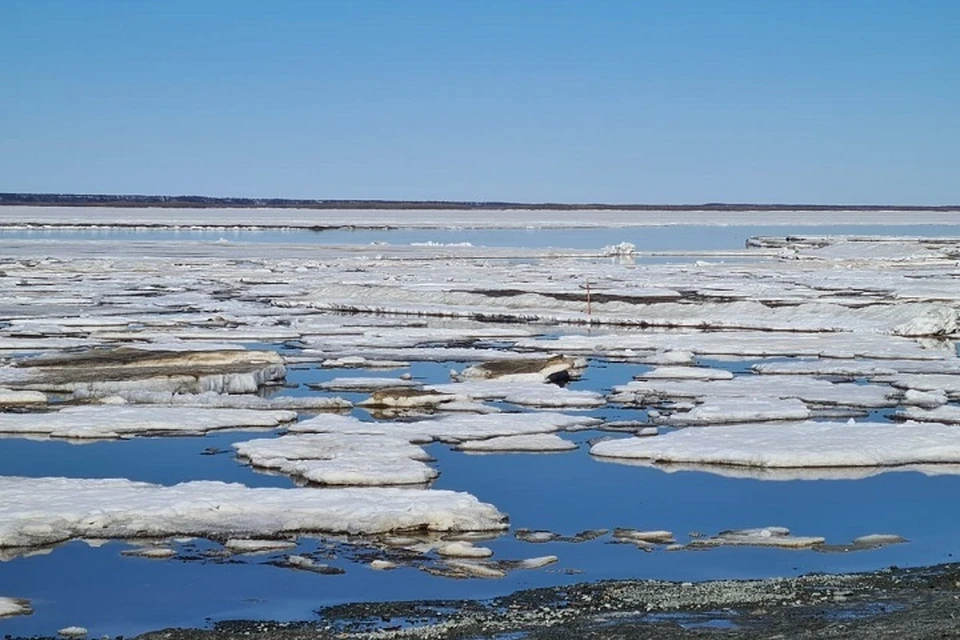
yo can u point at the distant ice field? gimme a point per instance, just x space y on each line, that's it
659 238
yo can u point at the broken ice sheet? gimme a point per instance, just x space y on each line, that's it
814 445
341 450
138 420
125 369
43 511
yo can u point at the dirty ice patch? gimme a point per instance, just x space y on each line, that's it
125 369
790 445
340 459
123 421
44 511
14 607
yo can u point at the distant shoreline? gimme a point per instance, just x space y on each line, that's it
207 202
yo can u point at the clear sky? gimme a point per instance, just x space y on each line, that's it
673 101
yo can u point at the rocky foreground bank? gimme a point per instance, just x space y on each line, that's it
892 603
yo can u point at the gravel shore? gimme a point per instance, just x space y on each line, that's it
892 603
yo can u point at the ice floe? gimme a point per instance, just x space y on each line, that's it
341 459
522 392
44 511
536 443
133 420
14 607
795 445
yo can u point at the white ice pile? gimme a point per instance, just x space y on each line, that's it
796 445
44 511
134 420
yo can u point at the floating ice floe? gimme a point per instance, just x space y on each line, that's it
133 420
341 459
14 607
534 443
523 392
44 511
795 445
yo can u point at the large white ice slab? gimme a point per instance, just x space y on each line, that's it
132 420
807 444
42 511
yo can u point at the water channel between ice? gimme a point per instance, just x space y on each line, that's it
565 493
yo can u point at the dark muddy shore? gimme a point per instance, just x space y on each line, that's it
892 603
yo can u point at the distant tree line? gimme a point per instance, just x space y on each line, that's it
207 202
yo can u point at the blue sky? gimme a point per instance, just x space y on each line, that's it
676 101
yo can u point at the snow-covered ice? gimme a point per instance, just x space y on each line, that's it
788 445
113 421
44 511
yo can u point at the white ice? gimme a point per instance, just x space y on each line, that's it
43 511
112 421
792 445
